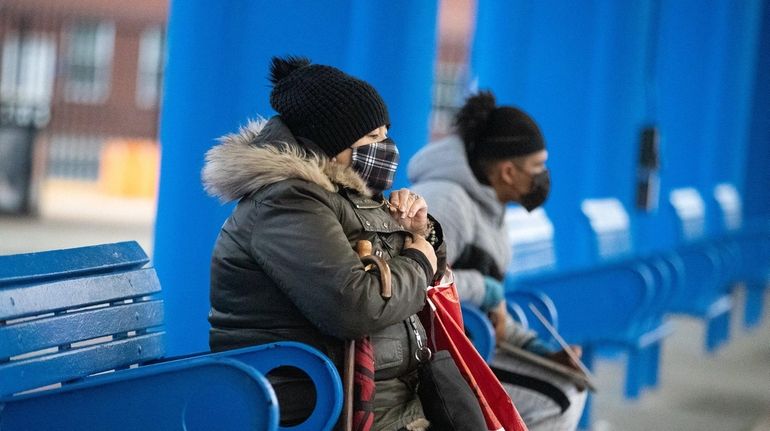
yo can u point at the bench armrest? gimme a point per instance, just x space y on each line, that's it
316 365
479 329
193 394
595 304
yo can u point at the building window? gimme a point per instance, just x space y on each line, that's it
89 62
27 77
150 67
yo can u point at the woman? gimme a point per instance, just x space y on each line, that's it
309 185
499 156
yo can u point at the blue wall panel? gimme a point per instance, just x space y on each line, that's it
539 57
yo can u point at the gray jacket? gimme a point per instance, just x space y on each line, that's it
471 216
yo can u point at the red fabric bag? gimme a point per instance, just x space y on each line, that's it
442 318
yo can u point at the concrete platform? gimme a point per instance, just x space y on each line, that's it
728 390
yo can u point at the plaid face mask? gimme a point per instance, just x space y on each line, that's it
376 163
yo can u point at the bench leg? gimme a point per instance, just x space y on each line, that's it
635 370
718 323
717 332
755 300
585 419
653 365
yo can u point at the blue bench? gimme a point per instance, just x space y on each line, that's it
747 246
753 243
613 243
704 292
82 347
481 332
579 293
598 307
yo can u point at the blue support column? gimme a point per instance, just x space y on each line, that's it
704 60
729 105
624 96
539 56
393 47
216 79
582 73
684 73
757 174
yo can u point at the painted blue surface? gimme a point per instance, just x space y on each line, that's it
75 308
318 367
76 326
198 394
620 295
61 329
394 49
35 267
69 365
59 295
479 330
705 83
757 176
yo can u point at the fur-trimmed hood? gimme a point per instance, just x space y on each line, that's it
265 152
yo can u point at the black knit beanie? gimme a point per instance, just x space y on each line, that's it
324 104
492 132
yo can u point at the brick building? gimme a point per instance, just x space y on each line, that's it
81 72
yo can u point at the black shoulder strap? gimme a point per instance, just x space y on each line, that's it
473 257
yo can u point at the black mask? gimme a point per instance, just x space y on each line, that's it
538 192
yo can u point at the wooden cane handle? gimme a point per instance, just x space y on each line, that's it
363 247
364 250
385 278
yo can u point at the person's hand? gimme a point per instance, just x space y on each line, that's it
563 358
417 242
499 318
493 294
410 210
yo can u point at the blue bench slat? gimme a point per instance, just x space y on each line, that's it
196 395
73 262
53 331
619 294
29 300
22 375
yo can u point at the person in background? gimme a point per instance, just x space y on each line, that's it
309 185
497 156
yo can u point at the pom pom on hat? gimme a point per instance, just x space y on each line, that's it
324 104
